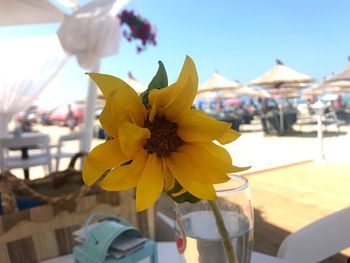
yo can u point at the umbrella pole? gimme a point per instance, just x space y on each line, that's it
281 116
89 117
281 119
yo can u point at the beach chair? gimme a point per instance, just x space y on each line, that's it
318 240
60 153
37 143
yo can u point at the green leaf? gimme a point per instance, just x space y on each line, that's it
144 98
177 187
159 81
126 163
185 197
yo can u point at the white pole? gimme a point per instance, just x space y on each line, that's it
320 155
89 116
319 108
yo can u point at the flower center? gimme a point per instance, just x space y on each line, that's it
164 139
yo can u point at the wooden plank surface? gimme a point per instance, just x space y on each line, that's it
287 199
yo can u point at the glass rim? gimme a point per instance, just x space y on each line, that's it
229 189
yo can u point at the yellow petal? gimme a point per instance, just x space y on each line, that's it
122 106
211 160
125 177
220 153
217 152
132 138
176 99
188 71
182 102
196 126
187 164
185 173
211 169
108 84
103 157
150 184
229 136
158 98
169 180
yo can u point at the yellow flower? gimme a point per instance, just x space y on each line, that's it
164 142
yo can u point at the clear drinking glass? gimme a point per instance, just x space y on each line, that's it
199 227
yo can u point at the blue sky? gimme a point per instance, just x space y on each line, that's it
240 39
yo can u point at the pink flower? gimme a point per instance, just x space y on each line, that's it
139 29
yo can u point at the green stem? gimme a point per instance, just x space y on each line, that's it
230 253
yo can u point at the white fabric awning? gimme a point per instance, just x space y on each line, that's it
16 12
92 32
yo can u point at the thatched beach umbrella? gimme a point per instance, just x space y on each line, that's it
253 92
135 84
337 84
280 74
207 95
313 90
217 82
344 75
281 78
241 91
287 91
337 87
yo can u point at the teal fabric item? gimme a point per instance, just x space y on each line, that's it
102 235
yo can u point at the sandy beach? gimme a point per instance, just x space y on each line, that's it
253 148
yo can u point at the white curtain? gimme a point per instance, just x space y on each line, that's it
27 65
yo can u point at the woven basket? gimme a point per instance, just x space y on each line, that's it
43 232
